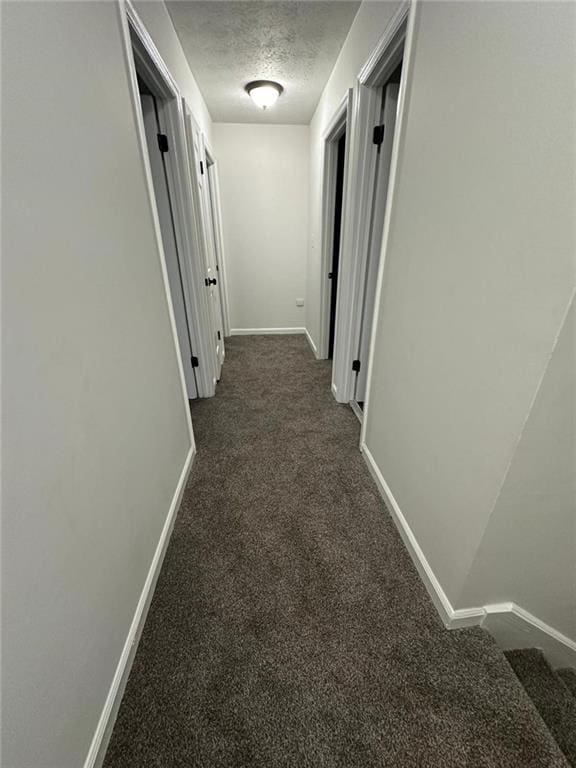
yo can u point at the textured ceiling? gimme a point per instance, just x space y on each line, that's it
228 43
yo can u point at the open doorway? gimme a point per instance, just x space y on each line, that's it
383 138
373 130
337 229
335 163
159 116
157 146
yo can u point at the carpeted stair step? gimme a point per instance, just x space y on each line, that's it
568 677
551 696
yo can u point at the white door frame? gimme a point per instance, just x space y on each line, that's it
215 199
141 53
389 110
358 195
330 138
151 108
405 84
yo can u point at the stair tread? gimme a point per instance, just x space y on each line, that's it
568 677
551 696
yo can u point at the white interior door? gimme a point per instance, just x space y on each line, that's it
388 120
198 172
219 244
173 268
212 265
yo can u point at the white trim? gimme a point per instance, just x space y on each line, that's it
334 389
452 618
143 49
264 331
311 342
358 412
381 62
333 132
405 83
359 198
357 207
139 121
511 625
514 627
337 123
105 725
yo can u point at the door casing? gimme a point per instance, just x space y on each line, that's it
150 110
333 133
358 194
367 307
142 54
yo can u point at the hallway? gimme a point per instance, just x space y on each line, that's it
289 626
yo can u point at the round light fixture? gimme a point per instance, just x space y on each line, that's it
264 92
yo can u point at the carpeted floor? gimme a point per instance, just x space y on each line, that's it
552 697
289 626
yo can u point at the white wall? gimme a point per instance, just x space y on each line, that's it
528 550
94 421
479 273
263 172
367 28
471 413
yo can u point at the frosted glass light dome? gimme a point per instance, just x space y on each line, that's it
264 93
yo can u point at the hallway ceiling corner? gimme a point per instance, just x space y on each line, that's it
231 42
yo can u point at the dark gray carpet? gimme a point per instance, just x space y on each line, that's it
568 677
289 626
552 697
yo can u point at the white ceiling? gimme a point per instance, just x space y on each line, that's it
230 42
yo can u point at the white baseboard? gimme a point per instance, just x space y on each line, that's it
513 627
508 623
264 331
359 413
97 750
313 346
334 389
451 617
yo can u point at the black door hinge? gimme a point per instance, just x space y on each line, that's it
201 168
356 365
330 275
219 337
378 135
162 142
194 361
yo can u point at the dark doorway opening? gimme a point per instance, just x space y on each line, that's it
336 239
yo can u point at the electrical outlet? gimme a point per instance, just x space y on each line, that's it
299 302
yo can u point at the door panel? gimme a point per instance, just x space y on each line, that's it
212 266
162 196
213 207
388 119
219 239
197 161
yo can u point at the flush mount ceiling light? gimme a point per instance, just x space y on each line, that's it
264 92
